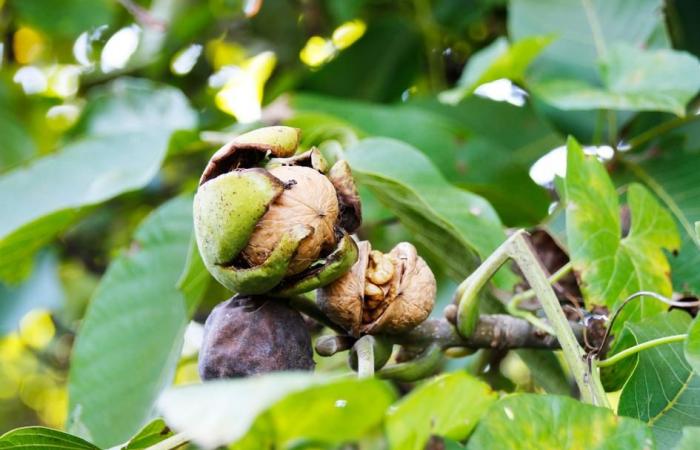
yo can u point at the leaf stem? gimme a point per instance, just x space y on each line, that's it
617 357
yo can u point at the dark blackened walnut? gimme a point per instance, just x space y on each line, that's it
252 335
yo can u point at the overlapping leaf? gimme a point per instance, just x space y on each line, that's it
663 389
459 227
611 266
499 60
123 142
410 423
523 422
31 438
130 339
290 406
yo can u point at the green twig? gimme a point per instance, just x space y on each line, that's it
517 248
639 347
654 132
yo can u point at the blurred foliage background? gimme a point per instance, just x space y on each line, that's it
116 105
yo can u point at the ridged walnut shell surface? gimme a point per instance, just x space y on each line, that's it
410 295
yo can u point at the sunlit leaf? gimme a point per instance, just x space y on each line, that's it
130 339
527 421
449 405
31 438
149 435
221 412
611 266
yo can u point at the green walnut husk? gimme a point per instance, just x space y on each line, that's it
268 220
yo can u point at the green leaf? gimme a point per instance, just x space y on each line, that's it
633 79
583 31
528 421
297 405
76 15
130 339
612 267
124 140
457 226
149 435
466 142
690 439
672 175
663 390
498 60
30 438
692 345
341 411
195 278
449 405
546 370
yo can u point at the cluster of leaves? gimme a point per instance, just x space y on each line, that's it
97 225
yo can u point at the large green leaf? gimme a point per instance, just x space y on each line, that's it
130 339
342 411
122 145
75 16
151 434
498 60
455 225
449 405
632 79
612 267
529 421
583 31
296 405
31 438
672 174
465 141
663 390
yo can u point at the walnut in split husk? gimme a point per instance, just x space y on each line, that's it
251 335
383 292
269 220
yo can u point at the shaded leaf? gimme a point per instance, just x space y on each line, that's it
124 140
500 59
692 345
433 409
75 16
42 438
663 390
456 225
129 342
527 421
690 439
612 267
633 79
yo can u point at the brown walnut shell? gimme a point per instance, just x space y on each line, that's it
309 199
246 336
409 296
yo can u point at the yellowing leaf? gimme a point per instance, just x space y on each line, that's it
317 51
242 94
348 33
27 45
611 266
37 329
